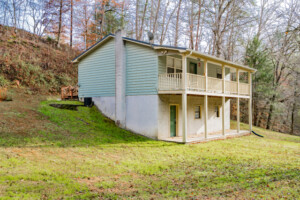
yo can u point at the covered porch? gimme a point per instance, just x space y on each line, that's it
198 118
195 74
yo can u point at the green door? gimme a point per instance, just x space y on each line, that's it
172 121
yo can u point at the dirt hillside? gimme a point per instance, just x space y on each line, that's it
34 62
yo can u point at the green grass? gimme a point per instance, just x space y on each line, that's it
82 155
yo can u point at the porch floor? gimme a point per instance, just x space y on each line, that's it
211 136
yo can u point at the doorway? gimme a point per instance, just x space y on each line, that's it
173 120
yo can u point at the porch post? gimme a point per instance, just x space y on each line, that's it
184 101
250 101
223 115
205 74
238 115
223 100
238 101
205 116
223 78
238 81
205 101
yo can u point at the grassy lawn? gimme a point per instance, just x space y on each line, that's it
82 155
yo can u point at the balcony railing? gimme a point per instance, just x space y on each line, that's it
214 85
231 87
195 82
244 89
172 82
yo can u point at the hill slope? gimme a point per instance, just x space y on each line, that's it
34 61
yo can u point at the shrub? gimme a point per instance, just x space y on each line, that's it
3 81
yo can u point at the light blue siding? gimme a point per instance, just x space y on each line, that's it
141 70
162 61
96 72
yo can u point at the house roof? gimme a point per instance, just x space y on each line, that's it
166 47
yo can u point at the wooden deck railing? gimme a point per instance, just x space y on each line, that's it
244 89
169 82
231 87
214 85
195 82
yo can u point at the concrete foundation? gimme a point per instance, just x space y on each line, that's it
106 105
142 115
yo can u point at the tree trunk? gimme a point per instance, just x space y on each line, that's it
192 27
177 24
71 25
137 19
4 18
270 112
59 22
102 21
167 26
294 104
151 16
198 26
156 16
15 15
143 20
163 24
122 14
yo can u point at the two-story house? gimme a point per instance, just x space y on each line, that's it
163 92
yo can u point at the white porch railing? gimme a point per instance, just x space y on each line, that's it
244 89
231 87
214 85
169 82
195 82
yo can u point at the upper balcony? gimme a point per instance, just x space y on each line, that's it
219 80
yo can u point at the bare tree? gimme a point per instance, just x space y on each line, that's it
155 18
140 27
71 22
164 25
284 46
177 23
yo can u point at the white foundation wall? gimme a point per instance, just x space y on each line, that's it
194 126
107 105
142 115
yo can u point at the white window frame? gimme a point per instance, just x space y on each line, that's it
174 66
200 111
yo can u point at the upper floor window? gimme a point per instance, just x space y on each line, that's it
174 65
219 73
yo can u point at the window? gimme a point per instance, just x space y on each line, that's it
197 112
217 110
174 65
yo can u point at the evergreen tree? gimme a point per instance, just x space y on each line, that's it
257 57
